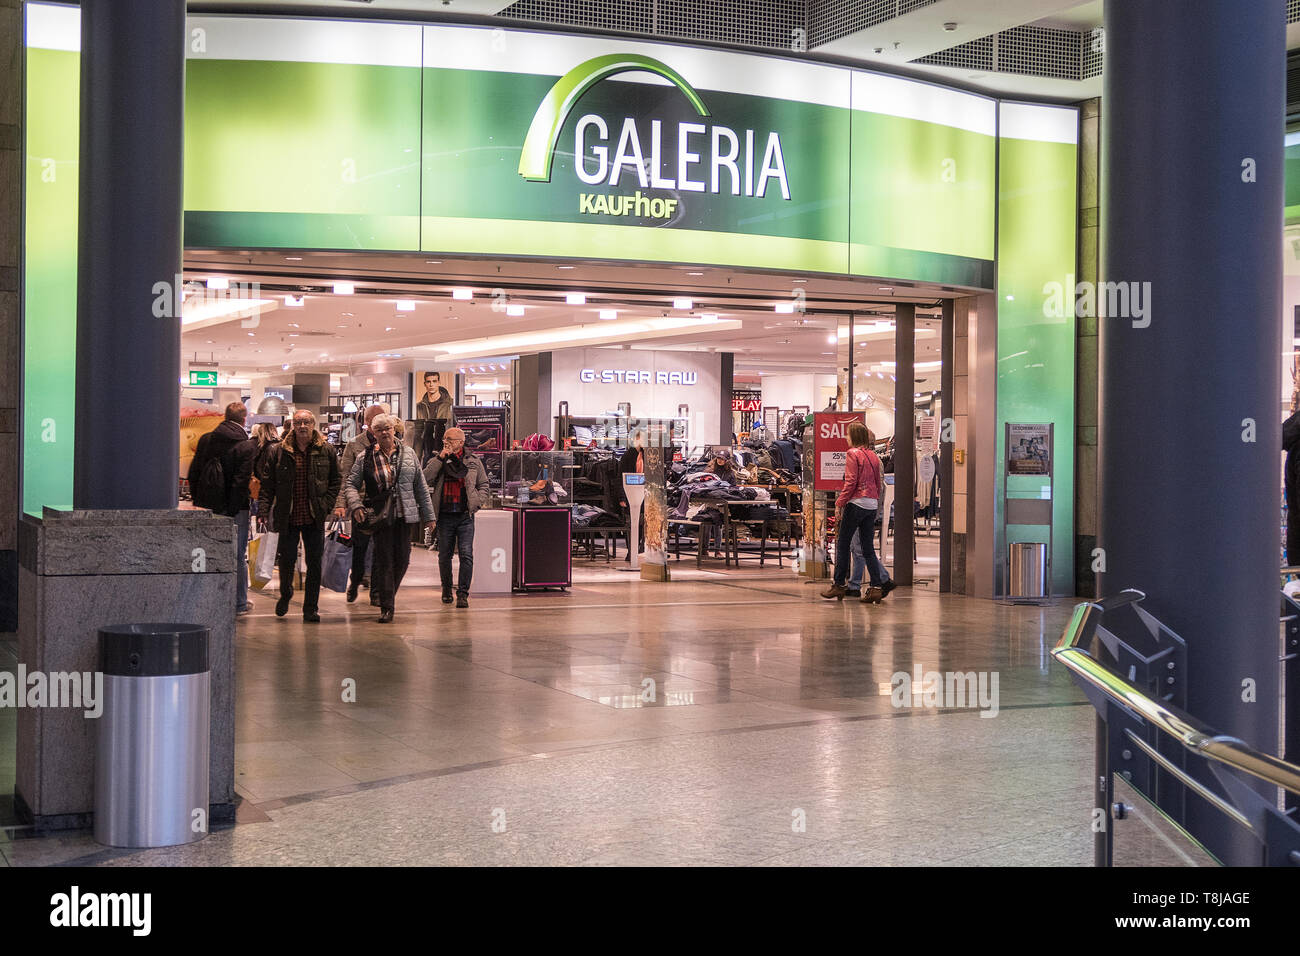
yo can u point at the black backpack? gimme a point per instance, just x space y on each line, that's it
210 492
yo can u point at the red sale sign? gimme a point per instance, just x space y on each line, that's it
831 447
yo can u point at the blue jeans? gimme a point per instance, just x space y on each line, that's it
859 523
456 531
241 556
860 563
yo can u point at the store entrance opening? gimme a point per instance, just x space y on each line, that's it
577 383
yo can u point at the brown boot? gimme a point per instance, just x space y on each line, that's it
872 596
836 591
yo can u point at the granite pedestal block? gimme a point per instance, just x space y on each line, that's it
83 570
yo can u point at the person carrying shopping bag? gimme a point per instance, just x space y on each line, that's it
386 493
297 495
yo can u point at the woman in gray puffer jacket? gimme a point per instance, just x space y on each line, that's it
388 468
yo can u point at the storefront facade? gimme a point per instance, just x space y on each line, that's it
436 138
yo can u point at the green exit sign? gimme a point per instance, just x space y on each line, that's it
203 378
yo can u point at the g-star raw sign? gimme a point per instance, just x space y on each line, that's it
709 158
633 376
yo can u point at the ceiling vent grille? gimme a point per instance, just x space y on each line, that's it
831 19
1029 51
631 16
1094 47
975 55
1041 51
775 24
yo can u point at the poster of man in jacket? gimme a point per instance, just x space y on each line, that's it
433 415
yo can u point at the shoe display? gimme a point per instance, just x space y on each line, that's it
387 616
311 617
446 596
872 596
282 607
835 591
462 600
352 593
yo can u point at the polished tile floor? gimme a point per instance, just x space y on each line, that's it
722 718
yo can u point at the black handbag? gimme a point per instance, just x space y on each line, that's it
382 513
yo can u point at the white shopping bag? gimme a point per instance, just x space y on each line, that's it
269 544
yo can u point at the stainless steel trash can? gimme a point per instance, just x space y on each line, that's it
151 759
1028 570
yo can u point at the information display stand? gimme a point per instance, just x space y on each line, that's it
634 488
1027 565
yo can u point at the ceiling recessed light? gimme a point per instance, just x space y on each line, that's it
294 301
515 310
390 329
575 298
293 258
293 335
405 305
433 262
216 282
683 305
250 333
608 314
464 295
783 308
344 288
564 267
695 273
285 367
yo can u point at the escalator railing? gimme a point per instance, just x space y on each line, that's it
1142 728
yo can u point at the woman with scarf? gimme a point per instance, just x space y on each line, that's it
386 493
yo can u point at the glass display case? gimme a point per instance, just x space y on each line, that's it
613 431
537 477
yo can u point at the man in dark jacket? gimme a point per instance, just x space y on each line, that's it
297 496
229 443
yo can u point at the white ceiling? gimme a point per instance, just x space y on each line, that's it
365 333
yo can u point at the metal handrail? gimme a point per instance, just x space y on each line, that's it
1187 730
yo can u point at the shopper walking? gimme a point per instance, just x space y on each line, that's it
219 478
355 449
298 493
458 485
856 508
386 494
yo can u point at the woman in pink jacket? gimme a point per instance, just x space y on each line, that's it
855 513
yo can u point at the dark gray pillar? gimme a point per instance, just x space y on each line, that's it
129 232
726 382
904 439
1189 404
946 354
